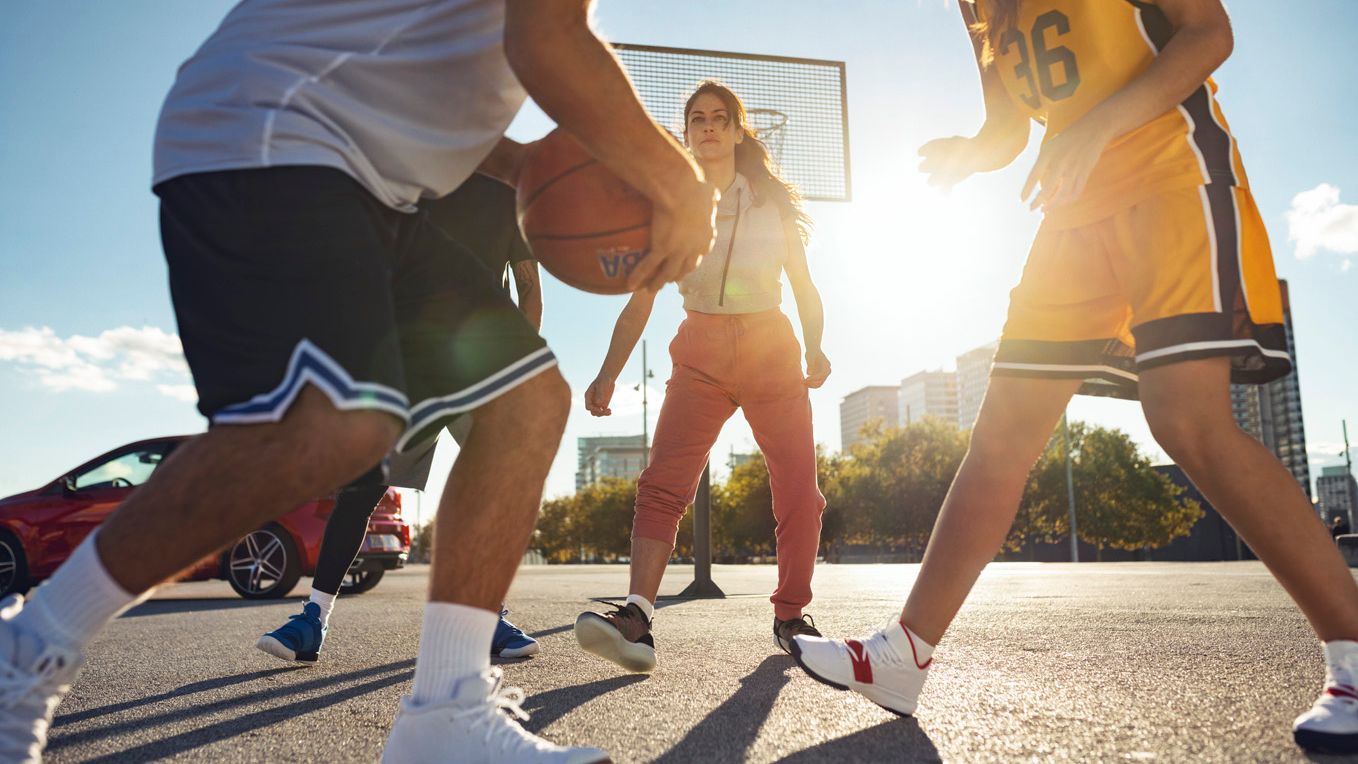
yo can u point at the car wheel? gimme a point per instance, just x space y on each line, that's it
13 566
264 565
360 581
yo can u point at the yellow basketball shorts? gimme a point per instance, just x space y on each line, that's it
1182 275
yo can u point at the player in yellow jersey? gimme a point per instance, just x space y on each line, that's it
1150 278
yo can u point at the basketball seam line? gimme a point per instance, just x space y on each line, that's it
562 237
529 201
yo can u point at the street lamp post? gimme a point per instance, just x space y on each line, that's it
1348 471
645 410
1070 493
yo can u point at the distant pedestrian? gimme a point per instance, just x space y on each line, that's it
1339 526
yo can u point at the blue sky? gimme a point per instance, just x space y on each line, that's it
910 277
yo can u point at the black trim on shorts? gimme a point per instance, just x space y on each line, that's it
1258 351
1106 365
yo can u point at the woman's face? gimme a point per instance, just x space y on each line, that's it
710 132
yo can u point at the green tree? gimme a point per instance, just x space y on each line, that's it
891 487
595 522
1121 501
606 510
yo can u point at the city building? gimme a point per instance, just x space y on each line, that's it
617 456
1338 493
875 403
973 376
927 394
1272 413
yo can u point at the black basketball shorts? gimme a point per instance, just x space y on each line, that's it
288 276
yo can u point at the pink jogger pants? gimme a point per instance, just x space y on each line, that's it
721 363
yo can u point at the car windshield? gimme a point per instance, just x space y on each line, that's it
124 471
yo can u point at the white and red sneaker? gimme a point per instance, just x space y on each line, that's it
887 667
1331 726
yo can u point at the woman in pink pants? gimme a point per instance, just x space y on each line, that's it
735 349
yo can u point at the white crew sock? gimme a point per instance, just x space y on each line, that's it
77 601
454 643
1341 659
909 645
326 602
643 603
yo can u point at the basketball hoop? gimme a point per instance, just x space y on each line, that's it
768 125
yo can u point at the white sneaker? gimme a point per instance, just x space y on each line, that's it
1331 726
884 667
34 676
475 726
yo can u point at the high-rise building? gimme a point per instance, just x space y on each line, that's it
873 403
617 456
927 394
973 377
1272 412
1338 493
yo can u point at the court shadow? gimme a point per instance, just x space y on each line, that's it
898 740
547 707
188 689
291 694
728 731
172 606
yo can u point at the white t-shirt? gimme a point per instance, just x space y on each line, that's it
406 96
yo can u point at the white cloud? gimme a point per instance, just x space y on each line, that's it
97 364
186 393
1319 221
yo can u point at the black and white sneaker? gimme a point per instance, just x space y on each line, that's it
622 636
784 631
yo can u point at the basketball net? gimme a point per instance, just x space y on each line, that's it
768 125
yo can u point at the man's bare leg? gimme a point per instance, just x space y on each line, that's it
213 489
1016 420
485 519
1188 406
491 502
226 482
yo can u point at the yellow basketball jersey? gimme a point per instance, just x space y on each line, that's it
1064 57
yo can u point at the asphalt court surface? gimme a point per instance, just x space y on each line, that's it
1092 662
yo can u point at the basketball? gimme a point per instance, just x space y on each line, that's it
584 224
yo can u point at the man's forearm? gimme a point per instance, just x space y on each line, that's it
578 82
531 305
529 287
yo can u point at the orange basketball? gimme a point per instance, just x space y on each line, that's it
584 224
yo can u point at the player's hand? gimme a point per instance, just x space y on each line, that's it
948 161
817 369
1064 164
598 395
682 231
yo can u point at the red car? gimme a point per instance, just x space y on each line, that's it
40 528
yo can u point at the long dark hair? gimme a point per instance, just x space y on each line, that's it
753 160
1002 17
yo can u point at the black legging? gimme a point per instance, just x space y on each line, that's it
345 529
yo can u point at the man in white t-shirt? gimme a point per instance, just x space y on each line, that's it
314 303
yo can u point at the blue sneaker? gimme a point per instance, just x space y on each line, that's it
510 641
300 638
